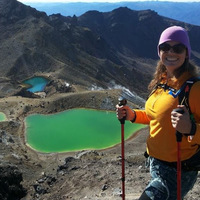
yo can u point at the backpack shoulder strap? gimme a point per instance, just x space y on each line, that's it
185 90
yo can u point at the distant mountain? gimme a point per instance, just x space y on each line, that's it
98 48
183 11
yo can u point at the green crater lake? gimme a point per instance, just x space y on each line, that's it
2 117
74 130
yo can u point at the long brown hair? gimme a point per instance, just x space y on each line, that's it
161 70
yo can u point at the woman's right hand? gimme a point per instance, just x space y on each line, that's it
125 112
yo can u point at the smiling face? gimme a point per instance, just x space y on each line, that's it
171 59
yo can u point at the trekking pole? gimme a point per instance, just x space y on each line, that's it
122 102
178 139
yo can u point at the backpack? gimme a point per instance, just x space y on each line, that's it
184 91
193 163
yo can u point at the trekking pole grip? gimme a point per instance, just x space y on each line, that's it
122 102
178 134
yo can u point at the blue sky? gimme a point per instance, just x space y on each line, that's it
66 1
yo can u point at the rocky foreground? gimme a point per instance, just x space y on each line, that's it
29 175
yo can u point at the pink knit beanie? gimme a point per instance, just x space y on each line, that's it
175 33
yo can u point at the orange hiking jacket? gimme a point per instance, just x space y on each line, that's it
161 142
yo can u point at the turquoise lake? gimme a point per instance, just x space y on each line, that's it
37 84
74 130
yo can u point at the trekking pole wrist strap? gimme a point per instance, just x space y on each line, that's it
133 120
193 129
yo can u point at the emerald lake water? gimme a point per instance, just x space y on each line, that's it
37 84
76 129
2 116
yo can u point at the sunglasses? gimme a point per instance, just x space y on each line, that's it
177 48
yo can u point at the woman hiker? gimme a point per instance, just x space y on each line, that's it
173 69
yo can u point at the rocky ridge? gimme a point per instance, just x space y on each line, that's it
95 48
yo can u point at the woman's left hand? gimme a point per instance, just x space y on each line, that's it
181 122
